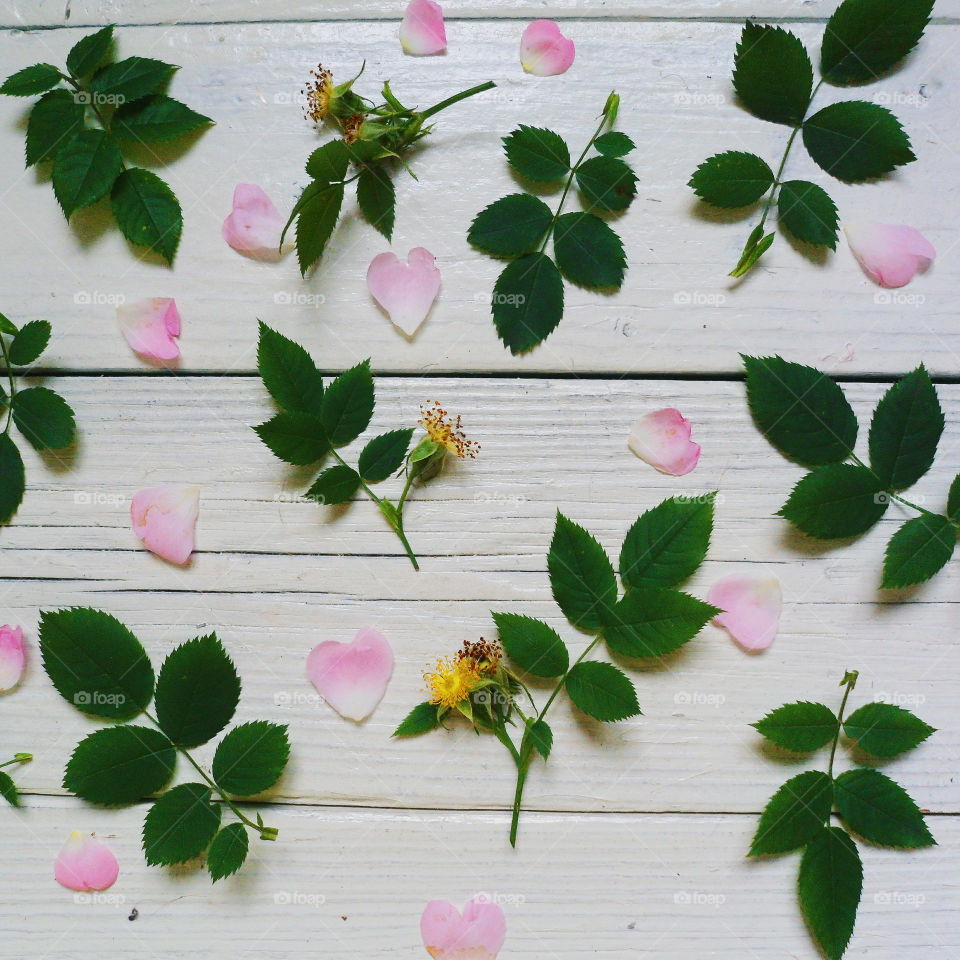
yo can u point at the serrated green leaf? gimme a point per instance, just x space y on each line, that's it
421 719
155 119
8 790
131 79
772 74
532 645
377 198
31 80
537 154
288 372
794 815
807 211
905 431
251 758
581 576
12 478
335 485
829 885
180 825
121 764
953 499
885 730
44 418
89 52
613 144
919 549
54 120
880 810
29 342
668 543
7 326
732 179
836 501
329 162
541 736
527 302
348 405
607 183
801 726
147 212
655 621
296 438
228 851
384 455
602 691
856 140
316 220
95 662
588 251
511 226
198 690
865 38
84 170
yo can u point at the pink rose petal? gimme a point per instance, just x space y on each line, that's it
405 290
352 677
13 657
85 864
662 439
150 327
544 50
164 518
254 225
892 254
422 32
477 934
751 608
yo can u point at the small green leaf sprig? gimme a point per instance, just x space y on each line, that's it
375 139
84 128
99 666
853 140
652 619
40 414
8 789
806 416
316 420
527 301
870 804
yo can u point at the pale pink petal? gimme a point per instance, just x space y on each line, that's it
662 439
477 934
422 32
890 253
164 518
13 657
85 864
751 608
405 290
352 677
150 327
254 226
544 50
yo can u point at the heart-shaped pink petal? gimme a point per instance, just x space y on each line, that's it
405 290
352 677
544 50
891 253
476 934
662 439
254 225
165 518
422 32
751 609
85 864
150 327
12 657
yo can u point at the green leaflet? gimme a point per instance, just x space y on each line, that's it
30 81
794 815
885 730
44 418
919 549
147 212
581 576
377 199
537 154
800 727
511 226
732 179
29 342
180 825
335 485
12 478
807 211
383 456
228 851
532 645
156 119
836 501
654 621
772 74
527 302
602 691
880 810
421 719
251 758
288 372
588 252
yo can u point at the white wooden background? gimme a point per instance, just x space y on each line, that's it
634 839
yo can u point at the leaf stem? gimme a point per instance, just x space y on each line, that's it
895 496
456 98
849 681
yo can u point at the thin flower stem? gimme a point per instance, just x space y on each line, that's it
851 682
13 389
456 98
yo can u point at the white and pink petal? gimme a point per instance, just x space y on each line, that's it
476 934
662 439
751 609
254 225
151 327
85 864
352 677
422 30
13 657
890 253
165 519
405 290
544 50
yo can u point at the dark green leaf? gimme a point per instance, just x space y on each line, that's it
607 183
532 645
155 119
800 727
89 52
581 576
228 851
885 730
377 198
732 179
84 170
905 430
131 79
953 499
511 226
384 455
335 485
44 418
31 80
772 74
829 885
30 342
348 405
198 690
120 765
588 251
527 302
865 38
654 621
295 438
602 691
836 501
180 825
251 758
12 479
541 736
919 549
795 814
315 222
613 144
95 662
807 211
329 162
55 118
537 154
421 719
856 140
8 790
288 372
147 212
880 810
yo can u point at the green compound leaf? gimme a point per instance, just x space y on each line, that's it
801 726
8 790
89 52
905 431
800 410
329 162
581 576
335 485
865 38
12 478
29 342
772 74
807 211
31 80
532 645
251 758
541 736
44 418
836 501
147 212
288 372
84 170
95 662
377 198
602 691
56 117
794 815
614 144
732 179
348 405
384 455
511 226
856 140
919 549
131 79
317 216
885 730
155 119
180 825
228 851
421 719
654 621
295 438
589 252
880 810
537 154
829 885
527 302
118 765
607 183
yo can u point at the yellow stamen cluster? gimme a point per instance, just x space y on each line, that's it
319 94
452 680
447 432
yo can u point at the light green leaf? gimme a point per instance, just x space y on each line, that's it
12 478
147 211
880 810
607 183
251 758
527 302
885 730
602 691
348 405
56 117
155 119
511 226
537 154
581 576
89 52
772 74
288 372
588 251
377 198
613 144
335 485
384 455
296 438
228 851
7 326
44 418
329 162
31 80
801 726
532 645
794 815
29 343
421 719
836 501
131 79
807 211
655 621
919 549
732 179
541 736
180 825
